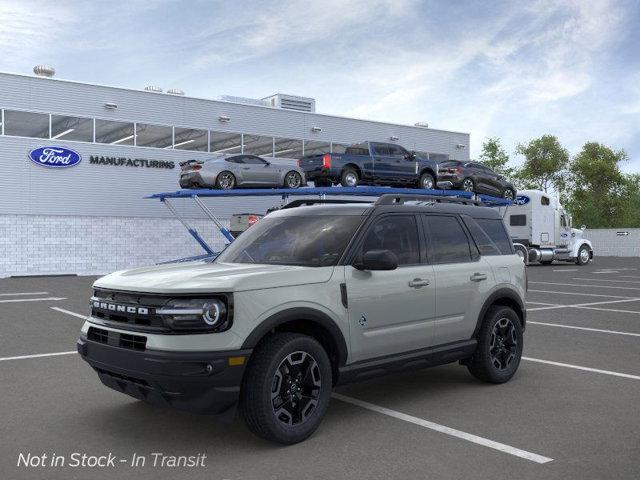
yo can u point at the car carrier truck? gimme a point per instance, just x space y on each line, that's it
541 230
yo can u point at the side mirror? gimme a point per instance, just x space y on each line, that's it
583 227
377 260
410 156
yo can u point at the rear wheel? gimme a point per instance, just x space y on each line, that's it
287 388
349 178
584 255
499 349
508 194
292 179
427 182
468 185
225 180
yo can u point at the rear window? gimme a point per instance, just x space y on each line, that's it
449 163
518 220
490 236
446 239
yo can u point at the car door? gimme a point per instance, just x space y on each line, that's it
462 277
258 171
494 181
403 165
382 162
475 171
391 311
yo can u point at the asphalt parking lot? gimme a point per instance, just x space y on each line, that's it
571 411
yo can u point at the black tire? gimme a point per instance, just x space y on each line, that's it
427 182
266 372
468 185
292 180
346 178
582 258
496 361
546 262
225 180
322 182
509 194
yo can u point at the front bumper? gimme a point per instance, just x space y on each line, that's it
199 382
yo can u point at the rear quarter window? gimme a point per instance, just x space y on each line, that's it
490 236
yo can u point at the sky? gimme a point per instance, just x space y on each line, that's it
513 70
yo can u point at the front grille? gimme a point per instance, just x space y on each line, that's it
135 310
116 339
126 378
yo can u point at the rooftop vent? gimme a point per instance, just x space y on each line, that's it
44 71
422 124
175 91
153 88
292 102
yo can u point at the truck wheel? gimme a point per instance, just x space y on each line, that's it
427 181
583 255
286 389
468 185
349 178
225 180
499 349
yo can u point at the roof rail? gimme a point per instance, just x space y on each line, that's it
391 199
318 201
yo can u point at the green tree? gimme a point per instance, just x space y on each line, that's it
495 157
631 201
599 193
545 164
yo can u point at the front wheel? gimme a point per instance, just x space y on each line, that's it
292 180
499 349
584 255
427 182
286 389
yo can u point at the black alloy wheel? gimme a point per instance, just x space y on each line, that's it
296 388
504 343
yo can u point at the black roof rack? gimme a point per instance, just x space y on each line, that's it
319 201
391 199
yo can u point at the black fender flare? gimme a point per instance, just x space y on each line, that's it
495 297
300 314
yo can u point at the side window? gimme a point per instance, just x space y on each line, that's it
381 149
494 229
253 160
544 200
518 220
563 221
447 240
396 151
235 159
397 233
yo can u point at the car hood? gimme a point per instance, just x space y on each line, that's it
201 277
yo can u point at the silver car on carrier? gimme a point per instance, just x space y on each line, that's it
241 170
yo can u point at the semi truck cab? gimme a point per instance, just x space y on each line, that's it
541 229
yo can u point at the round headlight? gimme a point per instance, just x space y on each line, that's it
213 312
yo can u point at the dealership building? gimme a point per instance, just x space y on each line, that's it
91 216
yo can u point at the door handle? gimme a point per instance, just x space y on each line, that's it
478 277
418 283
246 168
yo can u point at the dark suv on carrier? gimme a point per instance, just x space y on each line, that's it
476 177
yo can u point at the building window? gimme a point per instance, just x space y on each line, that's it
316 148
338 147
72 128
258 145
114 133
224 142
190 139
157 136
287 148
26 124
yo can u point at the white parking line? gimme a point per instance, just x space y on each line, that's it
22 293
22 357
47 299
542 303
607 309
582 294
579 367
590 286
628 276
604 280
566 269
73 314
585 305
485 442
598 330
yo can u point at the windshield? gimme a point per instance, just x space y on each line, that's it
313 241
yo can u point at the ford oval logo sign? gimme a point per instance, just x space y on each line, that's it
56 157
521 200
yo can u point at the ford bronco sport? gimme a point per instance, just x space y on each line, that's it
308 298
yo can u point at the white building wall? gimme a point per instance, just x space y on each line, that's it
610 242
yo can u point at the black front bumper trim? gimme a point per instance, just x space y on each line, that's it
199 382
